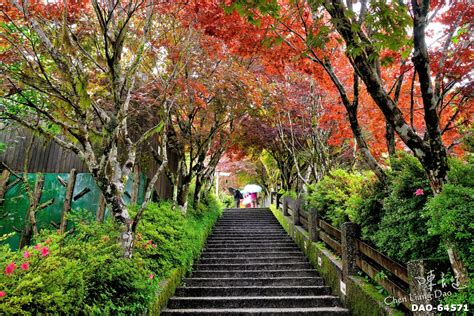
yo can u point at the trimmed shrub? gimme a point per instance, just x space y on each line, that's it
337 196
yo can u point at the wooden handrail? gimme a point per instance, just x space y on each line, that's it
390 265
333 236
387 284
304 223
304 214
331 230
333 244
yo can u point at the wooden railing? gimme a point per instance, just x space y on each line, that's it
340 241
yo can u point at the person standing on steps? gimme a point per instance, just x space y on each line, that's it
253 197
237 197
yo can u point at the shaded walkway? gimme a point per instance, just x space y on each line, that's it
251 266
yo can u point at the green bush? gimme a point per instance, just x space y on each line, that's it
403 230
83 272
450 213
226 199
337 195
291 194
369 211
77 273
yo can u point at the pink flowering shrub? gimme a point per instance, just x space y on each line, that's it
419 192
73 274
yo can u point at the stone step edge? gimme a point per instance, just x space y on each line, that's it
258 271
257 278
258 264
259 287
255 298
259 311
283 311
257 258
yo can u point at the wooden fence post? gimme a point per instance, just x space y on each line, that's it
313 225
296 212
349 236
419 283
285 206
3 184
67 200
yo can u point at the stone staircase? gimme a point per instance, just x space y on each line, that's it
250 266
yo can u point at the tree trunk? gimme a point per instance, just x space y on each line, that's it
351 109
113 198
363 147
30 227
459 269
182 197
197 190
390 138
121 215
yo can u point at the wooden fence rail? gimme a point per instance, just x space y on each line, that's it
367 259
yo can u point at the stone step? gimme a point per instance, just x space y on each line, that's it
247 215
251 266
253 291
321 311
248 225
218 274
246 209
258 220
251 248
248 238
249 244
286 259
247 231
250 254
255 234
253 301
249 281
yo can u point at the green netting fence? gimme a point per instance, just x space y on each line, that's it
15 204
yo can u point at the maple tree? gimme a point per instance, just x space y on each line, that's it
208 93
69 70
371 37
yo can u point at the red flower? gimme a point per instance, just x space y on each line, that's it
153 246
419 192
151 276
44 251
26 254
25 266
10 268
3 294
37 246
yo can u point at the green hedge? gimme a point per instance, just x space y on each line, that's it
402 218
84 273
